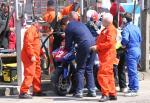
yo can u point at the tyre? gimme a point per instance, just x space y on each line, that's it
61 85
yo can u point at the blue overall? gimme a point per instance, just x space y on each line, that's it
131 38
78 33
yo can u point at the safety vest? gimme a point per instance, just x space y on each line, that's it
118 39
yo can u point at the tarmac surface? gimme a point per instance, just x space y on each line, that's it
143 96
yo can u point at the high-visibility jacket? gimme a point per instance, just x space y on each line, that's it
48 16
67 10
118 39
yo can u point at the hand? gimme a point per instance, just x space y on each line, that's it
40 18
48 33
93 48
12 29
123 46
33 59
51 31
63 35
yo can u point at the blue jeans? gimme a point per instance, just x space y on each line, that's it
85 61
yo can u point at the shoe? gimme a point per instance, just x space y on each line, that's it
91 94
78 95
131 94
38 94
104 99
123 90
117 89
25 96
112 97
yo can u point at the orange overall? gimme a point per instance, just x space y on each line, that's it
67 10
106 43
49 16
32 70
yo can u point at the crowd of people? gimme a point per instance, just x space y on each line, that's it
98 36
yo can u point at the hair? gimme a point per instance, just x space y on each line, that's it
64 20
128 17
100 1
74 16
50 3
112 0
108 17
3 5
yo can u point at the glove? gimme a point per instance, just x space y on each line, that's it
33 59
98 31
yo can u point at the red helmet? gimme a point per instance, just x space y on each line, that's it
92 14
95 16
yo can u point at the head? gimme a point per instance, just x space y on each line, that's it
107 19
64 22
37 24
51 4
127 17
74 16
12 5
99 3
3 5
95 17
92 15
76 1
5 8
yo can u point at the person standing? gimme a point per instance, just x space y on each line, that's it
77 33
49 16
4 28
131 41
30 56
2 20
106 48
12 33
99 8
114 12
92 23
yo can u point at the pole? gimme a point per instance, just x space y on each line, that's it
82 9
18 44
56 10
33 11
96 5
134 10
145 35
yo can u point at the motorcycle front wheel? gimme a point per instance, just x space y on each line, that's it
62 86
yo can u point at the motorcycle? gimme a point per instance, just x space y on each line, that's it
64 75
63 78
